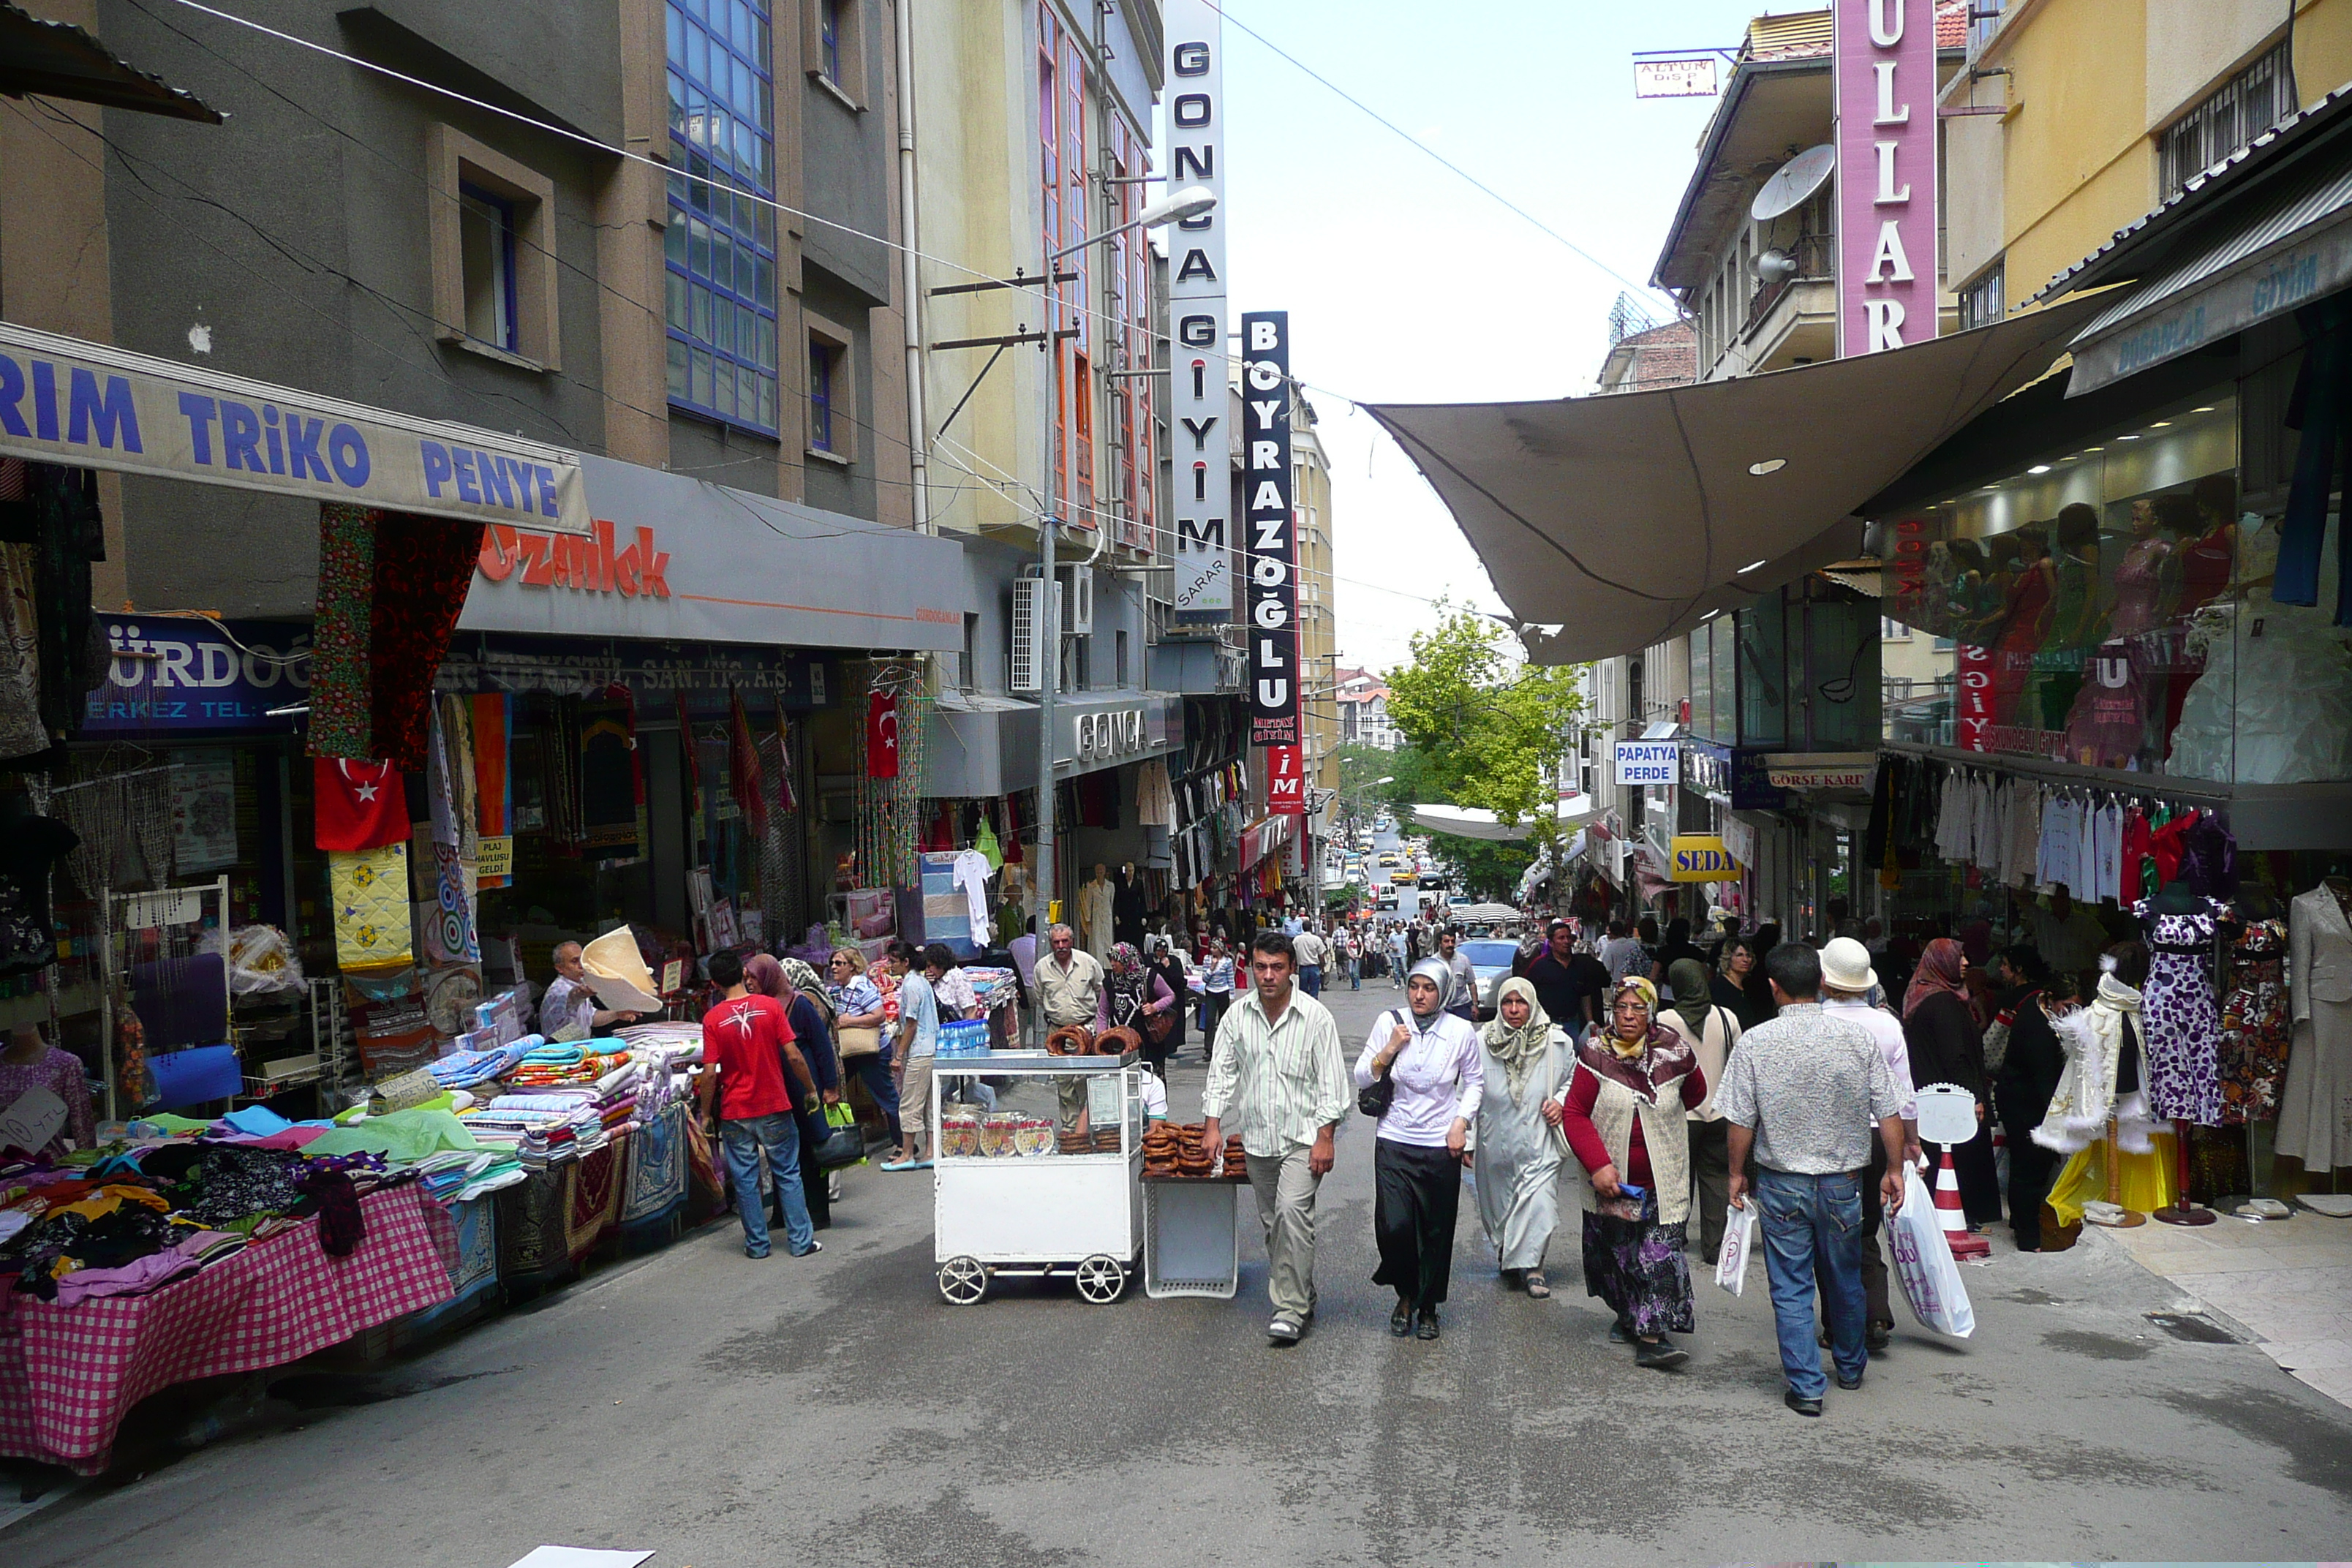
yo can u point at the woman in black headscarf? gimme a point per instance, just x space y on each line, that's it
1168 968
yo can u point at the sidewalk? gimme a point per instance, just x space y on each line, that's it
2289 1282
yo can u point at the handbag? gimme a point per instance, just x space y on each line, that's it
862 1040
1375 1097
1158 1026
844 1144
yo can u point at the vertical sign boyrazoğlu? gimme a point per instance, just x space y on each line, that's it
1202 546
1885 58
1269 540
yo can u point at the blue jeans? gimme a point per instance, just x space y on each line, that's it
742 1140
1812 1239
1355 974
874 1071
1310 979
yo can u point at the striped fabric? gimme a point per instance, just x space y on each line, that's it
1276 1084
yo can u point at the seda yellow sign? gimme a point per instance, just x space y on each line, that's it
1699 857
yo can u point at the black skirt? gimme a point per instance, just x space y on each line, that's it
1417 1191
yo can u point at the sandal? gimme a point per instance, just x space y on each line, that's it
1537 1286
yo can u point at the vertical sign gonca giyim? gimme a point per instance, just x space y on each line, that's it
1269 542
1886 93
1202 546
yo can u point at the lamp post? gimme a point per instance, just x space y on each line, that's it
1173 207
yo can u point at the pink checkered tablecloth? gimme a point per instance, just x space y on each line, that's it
69 1375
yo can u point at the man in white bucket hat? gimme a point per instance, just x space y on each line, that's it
1847 981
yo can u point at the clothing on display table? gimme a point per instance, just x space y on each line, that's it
2314 1122
2182 1027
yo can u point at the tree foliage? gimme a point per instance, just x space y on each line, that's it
1486 728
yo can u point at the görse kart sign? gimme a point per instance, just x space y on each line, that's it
88 406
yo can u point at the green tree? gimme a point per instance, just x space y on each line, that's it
1484 729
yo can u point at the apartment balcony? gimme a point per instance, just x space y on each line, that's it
1792 321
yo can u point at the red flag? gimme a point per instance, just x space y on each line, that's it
360 805
882 735
743 766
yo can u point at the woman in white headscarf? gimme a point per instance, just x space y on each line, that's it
1525 1058
1430 1057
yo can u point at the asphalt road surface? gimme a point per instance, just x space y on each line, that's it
833 1410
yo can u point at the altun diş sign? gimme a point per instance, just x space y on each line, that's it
1196 314
93 406
1885 73
1270 537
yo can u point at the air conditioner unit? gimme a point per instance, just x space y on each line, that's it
1028 633
1077 600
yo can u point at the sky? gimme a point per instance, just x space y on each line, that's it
1407 284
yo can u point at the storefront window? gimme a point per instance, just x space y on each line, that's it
1842 675
1702 716
2110 606
1763 653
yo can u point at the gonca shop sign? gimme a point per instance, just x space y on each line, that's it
1115 733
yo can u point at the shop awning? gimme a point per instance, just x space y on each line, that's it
1262 838
2290 249
1608 523
58 59
91 406
1471 822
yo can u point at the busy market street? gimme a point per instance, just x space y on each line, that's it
712 1408
1064 781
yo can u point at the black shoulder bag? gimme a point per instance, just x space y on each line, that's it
1374 1098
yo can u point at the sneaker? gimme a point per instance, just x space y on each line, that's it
1284 1330
1849 1383
1426 1328
813 1246
1801 1406
1660 1354
749 1253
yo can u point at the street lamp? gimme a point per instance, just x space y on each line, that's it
1174 207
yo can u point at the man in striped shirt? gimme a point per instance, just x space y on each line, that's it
1278 1073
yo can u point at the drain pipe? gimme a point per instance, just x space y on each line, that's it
911 282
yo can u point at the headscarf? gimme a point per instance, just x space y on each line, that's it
766 977
1521 1049
1606 1030
1694 992
1940 970
1125 959
1657 1061
1438 973
802 979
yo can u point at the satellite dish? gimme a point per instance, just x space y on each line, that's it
1797 179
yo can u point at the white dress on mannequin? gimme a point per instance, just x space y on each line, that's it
1095 902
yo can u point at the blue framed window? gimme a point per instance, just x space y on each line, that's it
722 242
486 247
828 35
822 358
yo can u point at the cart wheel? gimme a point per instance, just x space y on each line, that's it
1101 1278
964 1282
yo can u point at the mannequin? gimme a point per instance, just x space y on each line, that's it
2314 1122
1096 900
2183 1027
1128 906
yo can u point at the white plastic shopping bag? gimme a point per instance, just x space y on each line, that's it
1738 1232
1924 1262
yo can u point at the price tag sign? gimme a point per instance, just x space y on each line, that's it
494 857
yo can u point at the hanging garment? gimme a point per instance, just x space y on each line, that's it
390 587
2137 854
2021 843
2314 1121
22 733
2062 845
2182 1027
2086 880
971 873
2321 408
743 767
1952 820
30 846
2256 1026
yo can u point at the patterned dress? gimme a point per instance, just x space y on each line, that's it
2255 1031
2181 1019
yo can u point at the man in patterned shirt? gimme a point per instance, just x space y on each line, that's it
1803 1090
1277 1072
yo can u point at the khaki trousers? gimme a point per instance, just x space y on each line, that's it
1285 1192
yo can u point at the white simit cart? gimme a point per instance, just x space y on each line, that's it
1071 1204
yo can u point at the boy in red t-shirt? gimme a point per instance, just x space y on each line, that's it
747 1049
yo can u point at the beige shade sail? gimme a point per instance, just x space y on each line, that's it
1608 523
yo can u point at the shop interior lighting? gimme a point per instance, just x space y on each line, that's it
2088 450
2039 468
2126 438
1769 465
2207 409
2161 425
1749 567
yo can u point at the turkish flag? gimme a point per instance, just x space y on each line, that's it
881 736
360 805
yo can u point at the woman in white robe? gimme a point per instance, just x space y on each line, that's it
1527 1058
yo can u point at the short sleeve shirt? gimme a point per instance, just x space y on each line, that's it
745 1040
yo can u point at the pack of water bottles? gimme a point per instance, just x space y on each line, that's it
964 1037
